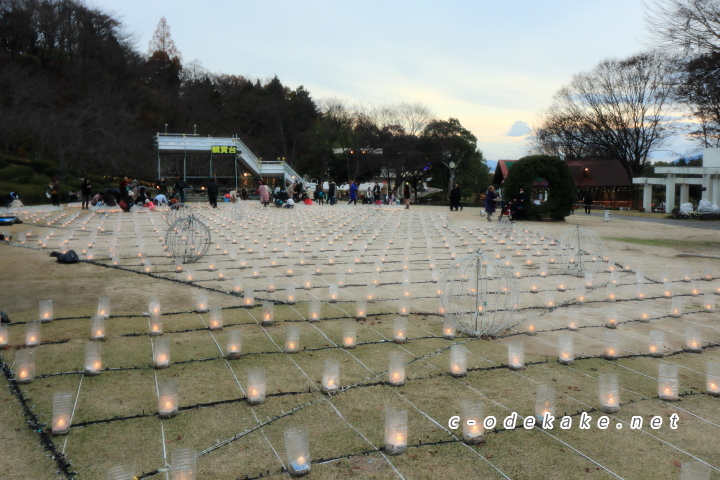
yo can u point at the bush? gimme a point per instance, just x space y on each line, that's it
13 172
561 186
29 194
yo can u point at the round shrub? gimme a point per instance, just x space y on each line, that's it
555 172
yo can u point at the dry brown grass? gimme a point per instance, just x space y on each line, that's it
345 428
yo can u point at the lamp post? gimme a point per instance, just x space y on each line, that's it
452 166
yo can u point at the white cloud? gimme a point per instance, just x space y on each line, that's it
519 129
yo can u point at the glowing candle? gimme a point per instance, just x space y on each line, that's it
268 314
550 302
573 324
314 311
566 353
677 308
271 284
712 379
46 311
216 319
161 352
544 402
396 371
183 464
188 275
561 287
154 306
32 334
458 360
400 330
404 309
645 314
543 270
62 410
24 366
4 338
473 417
371 293
708 303
693 340
530 329
255 391
167 398
306 282
349 334
668 383
103 309
656 347
201 302
582 295
233 344
667 291
248 297
331 375
516 355
588 280
93 359
290 295
156 325
610 294
292 339
333 293
360 310
449 327
97 327
611 346
297 448
396 431
609 393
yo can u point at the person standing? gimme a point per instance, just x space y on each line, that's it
490 200
162 186
587 200
353 193
212 190
331 193
264 193
180 188
520 203
406 195
54 187
86 191
384 193
376 193
455 195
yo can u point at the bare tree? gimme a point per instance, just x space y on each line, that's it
699 90
692 26
162 42
411 117
621 108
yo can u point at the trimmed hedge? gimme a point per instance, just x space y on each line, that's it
561 187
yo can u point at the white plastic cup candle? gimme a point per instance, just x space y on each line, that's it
234 344
32 334
544 402
268 314
25 365
97 327
668 382
360 310
695 471
215 321
610 292
396 431
290 295
712 378
331 375
611 318
45 311
449 327
531 329
611 347
349 334
458 360
677 307
255 391
248 297
62 411
201 302
156 324
154 306
404 309
161 352
103 309
473 421
656 347
333 293
693 340
292 338
183 464
167 398
609 393
4 338
396 370
400 330
314 312
516 355
566 349
93 359
297 449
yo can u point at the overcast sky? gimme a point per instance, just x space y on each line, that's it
494 65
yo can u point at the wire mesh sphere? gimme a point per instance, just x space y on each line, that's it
188 239
176 212
481 294
504 225
581 251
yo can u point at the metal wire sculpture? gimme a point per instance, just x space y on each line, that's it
481 293
581 251
176 212
188 239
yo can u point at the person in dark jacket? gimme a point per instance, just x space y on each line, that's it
86 190
331 193
490 201
455 196
212 190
